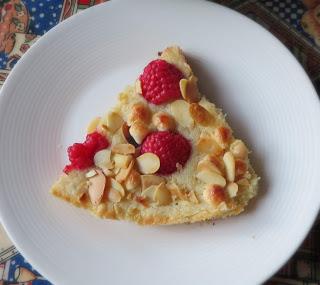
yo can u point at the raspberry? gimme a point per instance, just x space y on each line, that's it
81 154
171 148
95 142
160 82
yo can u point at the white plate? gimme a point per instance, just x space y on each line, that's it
74 73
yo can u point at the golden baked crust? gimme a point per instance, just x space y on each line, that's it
216 182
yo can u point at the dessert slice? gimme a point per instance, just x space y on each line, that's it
163 155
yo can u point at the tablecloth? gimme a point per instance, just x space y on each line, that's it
296 23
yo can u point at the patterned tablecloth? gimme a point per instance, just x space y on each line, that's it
296 23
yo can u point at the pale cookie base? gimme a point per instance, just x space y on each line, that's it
74 187
133 211
71 187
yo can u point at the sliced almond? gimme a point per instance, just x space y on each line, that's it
200 115
107 172
174 55
130 196
239 149
222 135
243 183
162 195
223 206
139 131
193 197
124 149
92 127
149 192
117 186
176 192
211 177
114 196
163 121
148 163
116 170
97 184
133 180
102 159
215 160
91 173
117 138
141 200
139 112
232 189
207 144
124 173
214 195
180 111
229 163
148 180
189 89
241 168
125 132
208 165
138 86
121 160
113 121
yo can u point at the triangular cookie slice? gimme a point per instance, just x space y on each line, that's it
163 155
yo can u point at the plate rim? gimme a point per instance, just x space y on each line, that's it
9 84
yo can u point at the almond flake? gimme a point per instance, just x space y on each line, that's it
91 173
243 183
229 163
97 184
239 149
189 89
139 131
176 191
162 195
201 115
149 192
125 132
211 177
102 159
113 121
214 195
207 144
163 121
139 112
107 172
117 186
133 181
148 163
232 189
121 160
148 180
222 135
92 127
124 172
114 196
208 165
123 149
